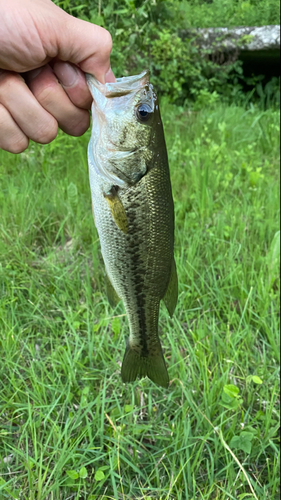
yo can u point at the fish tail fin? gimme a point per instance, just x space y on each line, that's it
152 365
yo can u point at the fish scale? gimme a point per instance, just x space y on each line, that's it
135 223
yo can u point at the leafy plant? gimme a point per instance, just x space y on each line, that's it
146 34
242 442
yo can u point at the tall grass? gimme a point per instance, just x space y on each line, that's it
69 428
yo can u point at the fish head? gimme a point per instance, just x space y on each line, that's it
125 114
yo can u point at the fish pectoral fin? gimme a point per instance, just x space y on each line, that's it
153 366
117 210
112 296
171 296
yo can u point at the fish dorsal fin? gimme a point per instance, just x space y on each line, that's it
117 210
171 296
112 296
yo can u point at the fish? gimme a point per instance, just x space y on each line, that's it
134 214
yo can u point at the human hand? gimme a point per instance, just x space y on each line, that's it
44 54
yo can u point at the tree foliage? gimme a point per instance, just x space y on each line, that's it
146 34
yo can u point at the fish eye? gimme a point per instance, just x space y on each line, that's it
143 112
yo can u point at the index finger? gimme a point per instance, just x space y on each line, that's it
86 45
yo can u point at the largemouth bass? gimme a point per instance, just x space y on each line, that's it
134 214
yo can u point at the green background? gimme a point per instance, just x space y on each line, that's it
69 428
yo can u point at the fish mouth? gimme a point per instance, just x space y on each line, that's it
115 153
122 86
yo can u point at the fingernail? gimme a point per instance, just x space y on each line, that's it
66 73
109 76
32 74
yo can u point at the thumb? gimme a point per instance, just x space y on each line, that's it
86 45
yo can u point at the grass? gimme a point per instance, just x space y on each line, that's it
69 428
230 13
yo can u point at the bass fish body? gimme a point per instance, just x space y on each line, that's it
134 214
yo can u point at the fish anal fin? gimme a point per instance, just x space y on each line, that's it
153 366
171 296
117 210
112 296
